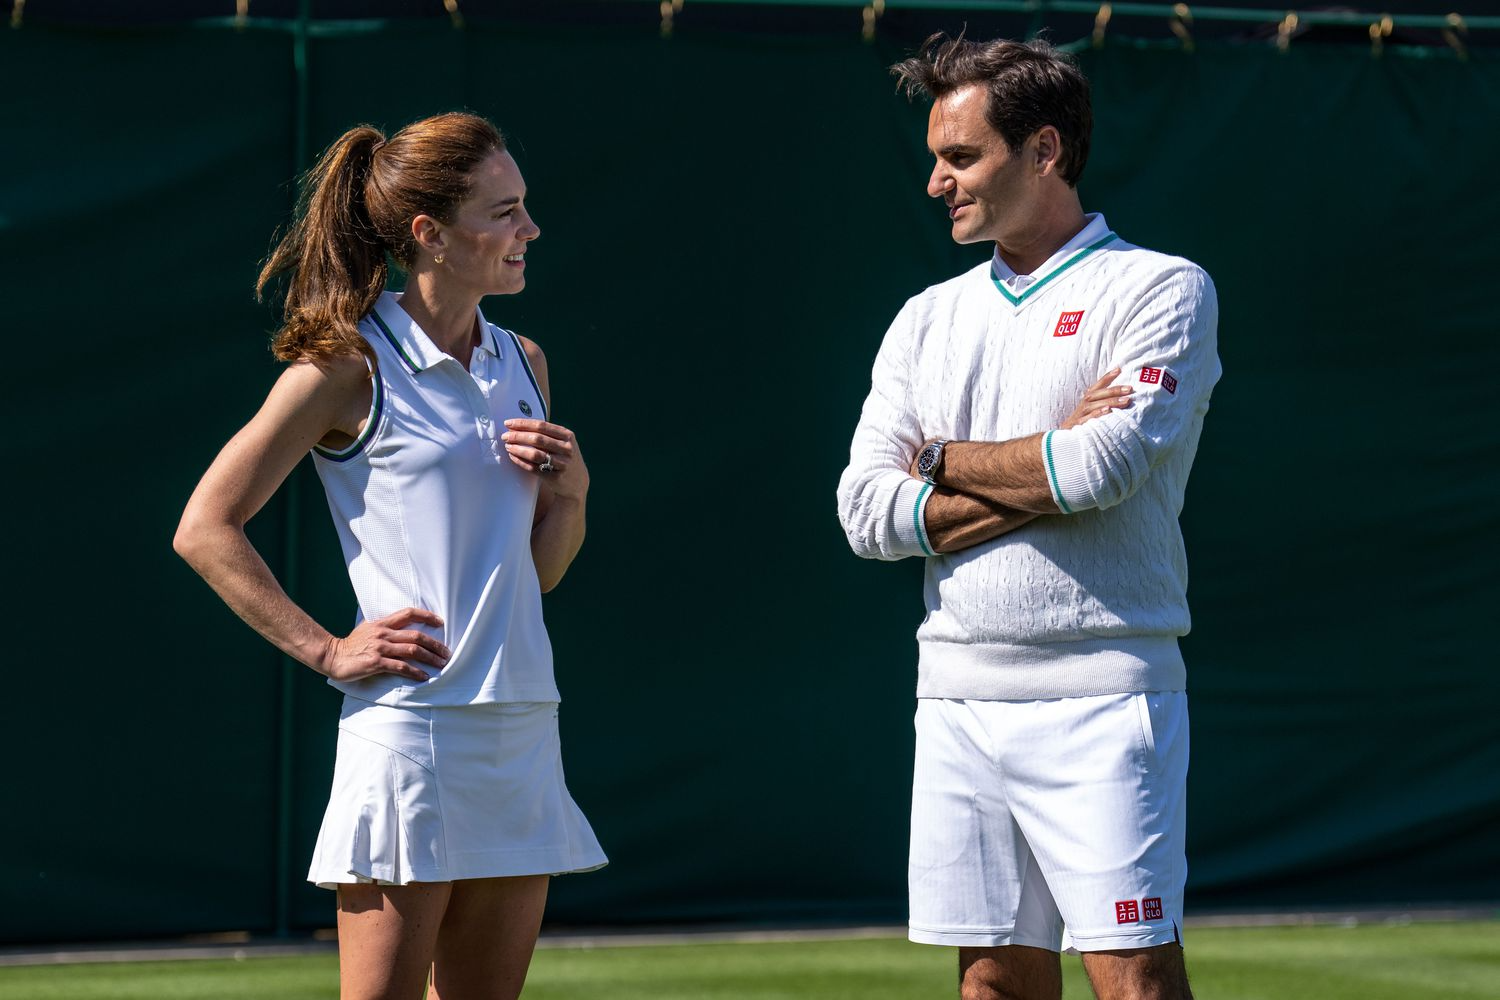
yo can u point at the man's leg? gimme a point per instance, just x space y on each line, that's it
1014 972
1138 974
1111 845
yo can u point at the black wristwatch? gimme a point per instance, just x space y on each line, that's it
930 461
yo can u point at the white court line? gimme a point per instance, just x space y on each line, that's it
239 946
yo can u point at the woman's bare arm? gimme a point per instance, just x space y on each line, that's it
307 404
557 533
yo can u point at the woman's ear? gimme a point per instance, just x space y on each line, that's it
428 234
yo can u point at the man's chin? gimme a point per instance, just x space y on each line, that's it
965 236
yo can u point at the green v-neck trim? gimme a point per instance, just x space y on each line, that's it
1016 300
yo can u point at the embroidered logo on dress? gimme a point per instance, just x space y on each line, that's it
1127 912
1160 376
1151 907
1067 324
525 406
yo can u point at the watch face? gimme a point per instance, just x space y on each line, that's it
929 459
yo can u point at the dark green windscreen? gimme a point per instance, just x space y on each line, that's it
729 223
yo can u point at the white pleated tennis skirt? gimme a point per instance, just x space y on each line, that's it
439 794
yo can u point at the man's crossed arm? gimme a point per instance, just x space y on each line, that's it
983 489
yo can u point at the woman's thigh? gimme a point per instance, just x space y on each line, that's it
388 936
488 934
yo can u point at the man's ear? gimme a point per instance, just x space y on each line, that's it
1046 149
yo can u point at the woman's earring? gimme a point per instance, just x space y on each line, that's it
438 259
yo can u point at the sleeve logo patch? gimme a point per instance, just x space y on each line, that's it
1151 907
1160 376
1067 324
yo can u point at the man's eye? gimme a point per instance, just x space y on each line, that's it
508 212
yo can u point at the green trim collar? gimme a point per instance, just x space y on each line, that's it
410 364
1016 300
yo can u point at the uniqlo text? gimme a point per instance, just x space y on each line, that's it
1067 324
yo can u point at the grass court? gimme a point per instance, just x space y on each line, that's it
1422 961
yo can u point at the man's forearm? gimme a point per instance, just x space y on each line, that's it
956 521
1011 474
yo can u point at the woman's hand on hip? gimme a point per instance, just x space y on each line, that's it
1099 399
384 646
549 450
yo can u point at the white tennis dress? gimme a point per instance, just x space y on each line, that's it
460 776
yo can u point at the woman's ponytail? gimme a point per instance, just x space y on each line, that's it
336 260
355 215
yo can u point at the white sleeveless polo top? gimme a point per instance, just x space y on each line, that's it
432 514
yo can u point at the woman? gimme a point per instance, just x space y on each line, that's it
457 503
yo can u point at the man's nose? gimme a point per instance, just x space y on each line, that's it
939 183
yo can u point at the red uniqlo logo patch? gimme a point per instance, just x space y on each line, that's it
1151 907
1067 324
1126 912
1160 376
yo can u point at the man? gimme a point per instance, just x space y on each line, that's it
1029 430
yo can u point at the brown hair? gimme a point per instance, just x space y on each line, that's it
1030 84
354 214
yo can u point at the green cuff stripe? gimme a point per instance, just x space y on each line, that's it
1052 473
916 515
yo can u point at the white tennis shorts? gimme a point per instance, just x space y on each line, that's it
1056 824
438 794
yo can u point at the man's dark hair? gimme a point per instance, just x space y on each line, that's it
1030 84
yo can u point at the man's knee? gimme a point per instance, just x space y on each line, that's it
1014 972
1139 974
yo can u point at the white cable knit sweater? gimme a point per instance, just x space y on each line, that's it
1082 603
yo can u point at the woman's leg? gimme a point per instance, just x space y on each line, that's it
487 937
387 938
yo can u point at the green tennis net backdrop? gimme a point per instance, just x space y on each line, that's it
729 222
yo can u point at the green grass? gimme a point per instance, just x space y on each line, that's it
1436 961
